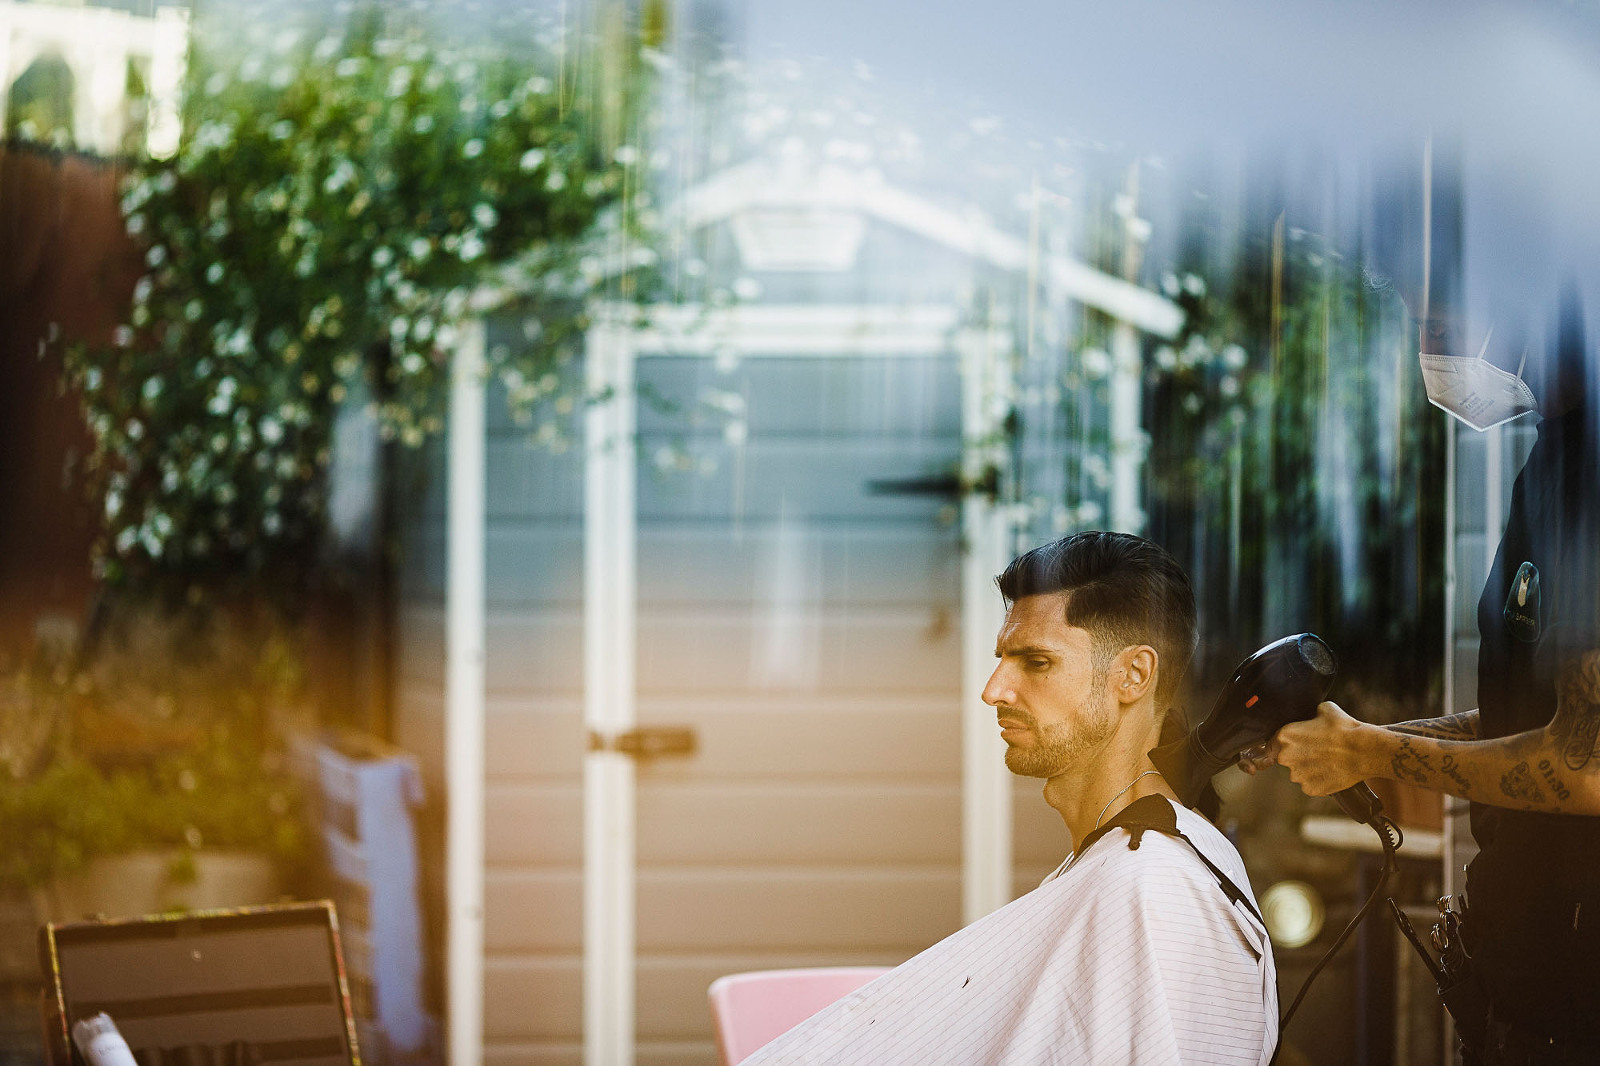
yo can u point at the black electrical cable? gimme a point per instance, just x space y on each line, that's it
1391 838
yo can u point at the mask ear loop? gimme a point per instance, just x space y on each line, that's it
1487 337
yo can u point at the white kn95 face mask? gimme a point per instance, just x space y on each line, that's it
1475 390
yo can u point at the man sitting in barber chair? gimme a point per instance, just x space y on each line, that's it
1145 946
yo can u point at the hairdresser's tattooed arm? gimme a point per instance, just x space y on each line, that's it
1554 769
1463 726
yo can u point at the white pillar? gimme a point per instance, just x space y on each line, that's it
986 532
6 19
608 700
169 49
1128 441
464 702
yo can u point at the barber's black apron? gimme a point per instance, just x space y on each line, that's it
1533 892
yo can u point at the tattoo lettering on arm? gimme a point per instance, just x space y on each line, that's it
1448 767
1408 763
1548 772
1579 747
1463 726
1577 720
1517 783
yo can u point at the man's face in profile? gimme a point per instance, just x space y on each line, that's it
1055 710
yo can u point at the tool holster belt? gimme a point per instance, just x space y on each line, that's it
1486 1039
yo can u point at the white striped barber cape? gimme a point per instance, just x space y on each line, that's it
1122 956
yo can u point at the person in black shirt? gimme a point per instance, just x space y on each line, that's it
1528 758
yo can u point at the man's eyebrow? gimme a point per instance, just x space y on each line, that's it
1024 649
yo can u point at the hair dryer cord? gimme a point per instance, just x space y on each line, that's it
1390 837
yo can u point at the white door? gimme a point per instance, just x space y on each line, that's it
791 533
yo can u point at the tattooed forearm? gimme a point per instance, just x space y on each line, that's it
1517 783
1555 768
1463 726
1408 763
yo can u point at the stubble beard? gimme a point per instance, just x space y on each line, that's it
1061 747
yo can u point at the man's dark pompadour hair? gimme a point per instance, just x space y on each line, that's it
1123 589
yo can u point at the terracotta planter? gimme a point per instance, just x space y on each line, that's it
141 882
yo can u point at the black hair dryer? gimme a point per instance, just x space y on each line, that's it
1281 683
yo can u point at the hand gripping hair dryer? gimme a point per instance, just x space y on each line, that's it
1281 683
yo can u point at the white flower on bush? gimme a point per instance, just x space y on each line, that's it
556 181
210 136
473 148
343 174
530 160
150 541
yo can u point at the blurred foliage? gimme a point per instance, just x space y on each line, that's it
169 740
338 199
1296 468
39 103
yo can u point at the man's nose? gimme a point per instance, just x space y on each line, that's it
997 691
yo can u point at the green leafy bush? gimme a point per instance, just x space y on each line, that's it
317 241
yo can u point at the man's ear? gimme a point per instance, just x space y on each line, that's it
1137 673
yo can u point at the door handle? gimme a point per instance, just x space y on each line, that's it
648 742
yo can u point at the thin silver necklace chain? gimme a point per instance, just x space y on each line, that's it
1119 795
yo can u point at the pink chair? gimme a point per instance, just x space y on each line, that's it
750 1009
